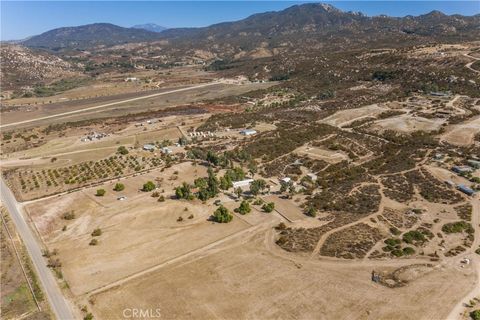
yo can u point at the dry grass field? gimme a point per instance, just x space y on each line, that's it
247 278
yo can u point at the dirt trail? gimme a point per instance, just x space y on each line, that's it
459 308
469 65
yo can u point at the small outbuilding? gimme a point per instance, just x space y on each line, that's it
148 147
248 132
465 189
462 169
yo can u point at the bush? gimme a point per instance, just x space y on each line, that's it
119 187
93 242
155 194
408 251
97 232
268 207
100 192
222 215
148 186
69 215
161 199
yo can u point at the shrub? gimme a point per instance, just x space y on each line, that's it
408 251
161 199
100 192
222 215
119 187
69 215
97 232
88 316
268 207
155 194
179 219
395 231
148 186
93 242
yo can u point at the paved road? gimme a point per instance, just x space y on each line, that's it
59 305
110 104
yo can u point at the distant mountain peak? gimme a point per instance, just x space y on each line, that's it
150 27
329 8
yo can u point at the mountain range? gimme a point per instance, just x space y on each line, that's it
307 24
150 27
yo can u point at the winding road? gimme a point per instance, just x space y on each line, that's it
58 303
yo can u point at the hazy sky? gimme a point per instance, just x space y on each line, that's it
20 19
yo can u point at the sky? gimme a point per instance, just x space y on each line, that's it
21 19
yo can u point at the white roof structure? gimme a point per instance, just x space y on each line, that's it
242 183
248 132
148 147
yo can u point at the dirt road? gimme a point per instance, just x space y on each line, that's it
459 308
58 303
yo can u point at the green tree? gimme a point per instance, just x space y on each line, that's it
122 150
238 192
222 215
257 186
100 192
119 187
148 186
184 191
311 212
244 207
475 315
225 182
268 207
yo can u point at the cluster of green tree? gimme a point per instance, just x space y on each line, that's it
235 174
184 192
258 186
457 227
287 187
279 77
59 86
207 188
